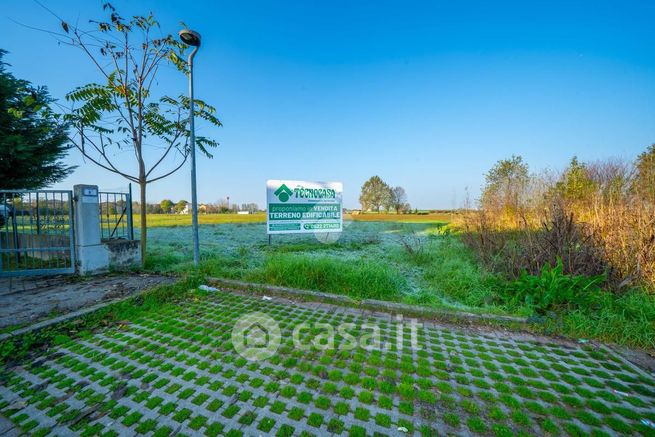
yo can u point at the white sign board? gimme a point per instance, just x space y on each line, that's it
297 207
89 195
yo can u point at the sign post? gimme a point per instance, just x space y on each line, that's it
301 207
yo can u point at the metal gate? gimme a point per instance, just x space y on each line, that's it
116 215
36 232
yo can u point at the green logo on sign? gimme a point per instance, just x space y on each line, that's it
283 193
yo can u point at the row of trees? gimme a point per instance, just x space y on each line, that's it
222 206
511 191
597 217
377 195
167 206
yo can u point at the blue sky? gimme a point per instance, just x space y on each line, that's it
428 95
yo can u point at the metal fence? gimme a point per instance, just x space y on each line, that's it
116 215
36 232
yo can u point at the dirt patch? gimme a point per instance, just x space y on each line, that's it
27 300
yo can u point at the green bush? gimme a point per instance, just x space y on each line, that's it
554 290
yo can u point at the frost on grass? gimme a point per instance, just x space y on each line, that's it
396 255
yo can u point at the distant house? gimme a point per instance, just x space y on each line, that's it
202 209
243 212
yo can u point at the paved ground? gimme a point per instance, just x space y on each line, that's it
26 300
176 371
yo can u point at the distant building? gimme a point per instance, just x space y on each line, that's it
243 212
202 209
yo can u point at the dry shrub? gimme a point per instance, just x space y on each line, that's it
590 217
627 232
623 221
562 237
528 247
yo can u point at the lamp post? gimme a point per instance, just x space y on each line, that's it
192 38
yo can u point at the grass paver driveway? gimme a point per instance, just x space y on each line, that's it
176 371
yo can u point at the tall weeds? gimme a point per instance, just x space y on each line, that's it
591 217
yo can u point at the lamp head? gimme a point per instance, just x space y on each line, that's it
190 37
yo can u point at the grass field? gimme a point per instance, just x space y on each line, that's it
157 220
367 260
444 217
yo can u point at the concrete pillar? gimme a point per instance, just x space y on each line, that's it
92 255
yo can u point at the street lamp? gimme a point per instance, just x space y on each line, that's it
192 38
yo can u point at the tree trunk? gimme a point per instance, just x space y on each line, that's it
144 227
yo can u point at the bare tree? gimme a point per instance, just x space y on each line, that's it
399 200
122 113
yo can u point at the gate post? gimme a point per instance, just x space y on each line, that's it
92 255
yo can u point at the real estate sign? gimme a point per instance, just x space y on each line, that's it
296 207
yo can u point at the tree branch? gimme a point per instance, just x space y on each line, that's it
99 164
110 166
171 172
170 146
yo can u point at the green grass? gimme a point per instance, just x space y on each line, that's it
285 431
423 217
625 319
383 420
450 267
357 278
315 420
214 429
266 424
452 419
160 220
